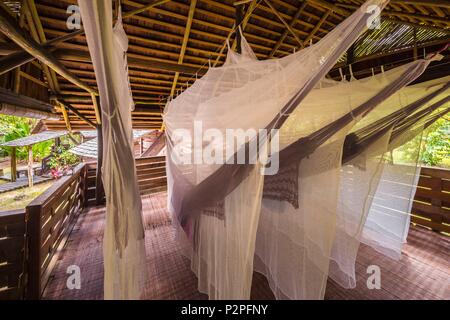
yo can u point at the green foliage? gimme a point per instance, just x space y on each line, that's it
435 149
63 158
437 144
13 128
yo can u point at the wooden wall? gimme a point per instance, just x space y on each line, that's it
151 176
12 254
431 206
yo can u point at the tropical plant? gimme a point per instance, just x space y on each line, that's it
62 158
435 148
13 128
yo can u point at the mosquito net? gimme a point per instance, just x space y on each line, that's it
289 214
123 245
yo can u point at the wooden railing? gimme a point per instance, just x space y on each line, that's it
50 218
431 206
12 254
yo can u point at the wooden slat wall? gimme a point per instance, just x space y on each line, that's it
431 206
12 254
50 218
151 176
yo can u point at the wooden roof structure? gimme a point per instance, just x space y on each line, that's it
172 42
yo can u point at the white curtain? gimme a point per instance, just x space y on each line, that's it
123 243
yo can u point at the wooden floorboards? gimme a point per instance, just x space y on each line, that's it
423 272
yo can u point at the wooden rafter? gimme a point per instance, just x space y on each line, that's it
316 28
291 25
410 15
185 43
288 26
11 29
133 61
340 9
431 3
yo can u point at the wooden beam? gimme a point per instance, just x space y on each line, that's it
144 62
13 164
398 14
54 86
342 11
18 59
144 8
65 115
288 26
29 14
239 16
13 48
96 103
185 42
75 111
30 166
291 25
16 99
431 3
11 29
317 27
17 72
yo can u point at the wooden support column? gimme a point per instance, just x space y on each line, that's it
415 53
30 166
13 164
99 191
239 16
141 146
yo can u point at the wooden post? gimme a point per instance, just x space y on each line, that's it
99 191
141 146
415 53
239 16
13 164
30 166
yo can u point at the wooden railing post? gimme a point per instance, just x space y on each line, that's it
33 223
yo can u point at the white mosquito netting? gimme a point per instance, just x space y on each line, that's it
123 242
292 224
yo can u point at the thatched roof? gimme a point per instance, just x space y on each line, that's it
33 139
185 36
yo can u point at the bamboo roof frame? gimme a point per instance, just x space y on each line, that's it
173 41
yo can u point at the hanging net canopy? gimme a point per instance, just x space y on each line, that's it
274 168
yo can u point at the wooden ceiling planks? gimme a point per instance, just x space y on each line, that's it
169 42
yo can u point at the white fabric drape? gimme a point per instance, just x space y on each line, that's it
376 193
291 246
123 243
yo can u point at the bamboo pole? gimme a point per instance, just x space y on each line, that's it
11 29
